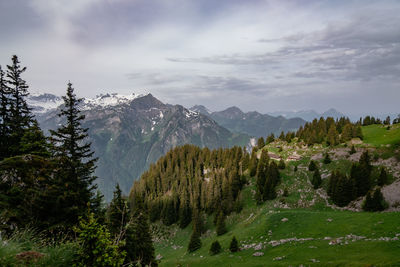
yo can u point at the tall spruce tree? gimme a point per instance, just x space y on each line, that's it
316 180
221 227
234 245
117 215
20 117
76 162
139 245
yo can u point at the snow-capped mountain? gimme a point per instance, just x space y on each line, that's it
107 100
42 103
128 133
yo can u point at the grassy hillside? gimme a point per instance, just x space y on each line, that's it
302 228
298 236
378 135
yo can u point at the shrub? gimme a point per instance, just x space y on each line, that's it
215 248
195 242
312 166
327 159
374 201
281 164
95 246
234 246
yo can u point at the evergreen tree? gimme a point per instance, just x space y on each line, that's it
215 248
96 248
332 138
327 159
76 161
221 228
383 178
295 168
139 245
312 167
117 215
20 117
253 163
185 215
270 138
352 150
282 136
260 143
234 245
282 164
195 242
374 201
4 117
34 142
316 180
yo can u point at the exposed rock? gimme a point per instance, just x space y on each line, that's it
258 254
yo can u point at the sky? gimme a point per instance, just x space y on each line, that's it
254 54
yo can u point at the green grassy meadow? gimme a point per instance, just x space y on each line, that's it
378 135
302 220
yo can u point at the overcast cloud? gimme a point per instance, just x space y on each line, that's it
255 54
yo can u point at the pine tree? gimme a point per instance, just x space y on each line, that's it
374 201
234 245
4 117
260 143
383 178
185 213
312 167
76 161
195 242
282 164
327 159
282 136
20 117
139 245
95 246
270 138
253 163
221 228
117 215
215 248
316 180
352 150
34 142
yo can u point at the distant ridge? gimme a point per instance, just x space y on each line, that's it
251 123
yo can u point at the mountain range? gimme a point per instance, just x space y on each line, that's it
308 115
128 133
251 123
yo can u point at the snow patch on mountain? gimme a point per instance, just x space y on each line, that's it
42 103
106 100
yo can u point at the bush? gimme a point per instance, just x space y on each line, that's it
374 201
316 180
95 246
195 242
234 246
281 164
215 248
327 159
312 166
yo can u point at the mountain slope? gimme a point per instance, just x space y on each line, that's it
130 133
254 123
308 115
